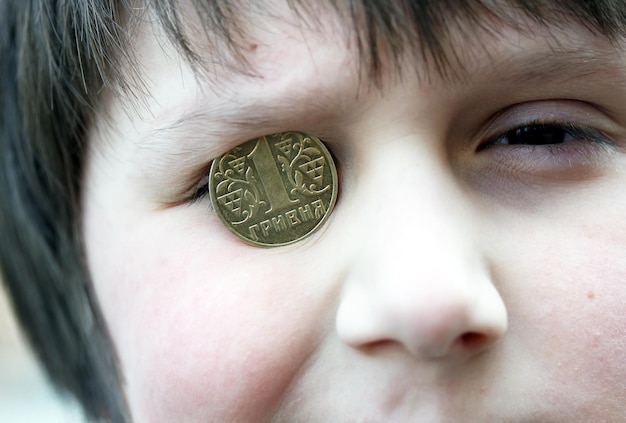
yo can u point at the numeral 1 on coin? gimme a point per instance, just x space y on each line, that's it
265 164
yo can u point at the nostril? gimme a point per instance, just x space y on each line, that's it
473 340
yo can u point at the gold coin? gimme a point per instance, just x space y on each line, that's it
276 189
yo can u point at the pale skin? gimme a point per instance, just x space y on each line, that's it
459 279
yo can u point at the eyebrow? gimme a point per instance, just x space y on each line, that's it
562 65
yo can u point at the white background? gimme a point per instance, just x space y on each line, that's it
25 395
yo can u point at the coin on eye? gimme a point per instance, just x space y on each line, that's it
276 189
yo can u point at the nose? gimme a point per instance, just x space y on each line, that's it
417 277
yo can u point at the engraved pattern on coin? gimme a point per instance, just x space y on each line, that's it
276 189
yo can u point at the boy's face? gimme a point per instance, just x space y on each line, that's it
473 270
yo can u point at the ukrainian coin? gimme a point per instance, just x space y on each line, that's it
274 190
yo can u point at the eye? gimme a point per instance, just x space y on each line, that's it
543 151
202 190
537 134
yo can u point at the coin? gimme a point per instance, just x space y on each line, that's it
274 190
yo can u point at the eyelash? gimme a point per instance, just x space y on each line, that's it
201 191
578 134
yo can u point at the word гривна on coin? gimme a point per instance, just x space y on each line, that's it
274 190
291 218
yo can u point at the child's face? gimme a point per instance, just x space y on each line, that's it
460 278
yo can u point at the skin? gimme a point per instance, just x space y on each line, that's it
456 280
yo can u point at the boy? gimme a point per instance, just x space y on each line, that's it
472 269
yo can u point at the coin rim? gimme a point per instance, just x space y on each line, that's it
329 210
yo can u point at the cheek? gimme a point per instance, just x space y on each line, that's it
567 297
206 328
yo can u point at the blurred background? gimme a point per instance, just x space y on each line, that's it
25 395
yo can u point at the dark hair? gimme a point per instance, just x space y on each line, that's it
56 57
